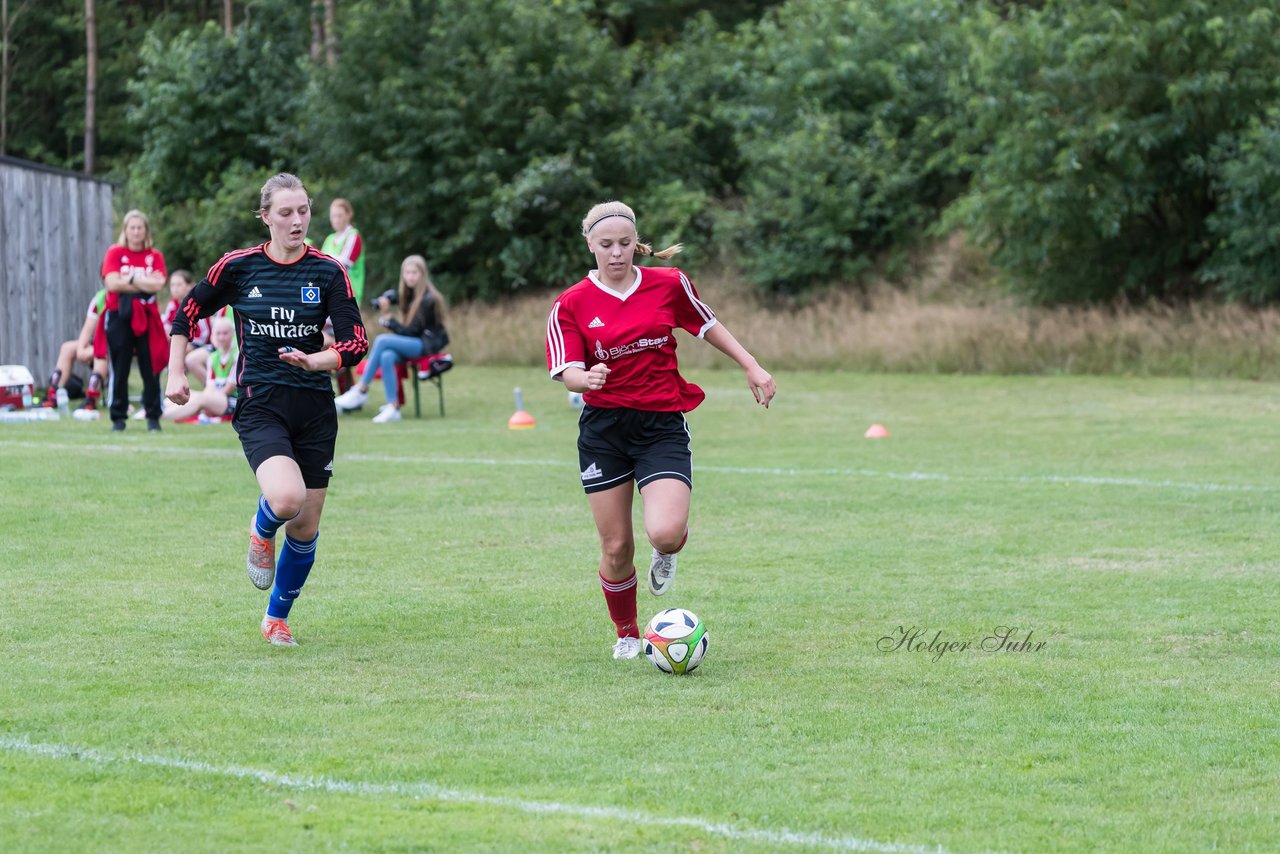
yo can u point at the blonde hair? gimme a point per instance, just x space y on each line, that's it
604 210
147 242
283 181
222 323
409 308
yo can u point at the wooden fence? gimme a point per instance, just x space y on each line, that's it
55 227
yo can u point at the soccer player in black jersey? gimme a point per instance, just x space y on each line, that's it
281 291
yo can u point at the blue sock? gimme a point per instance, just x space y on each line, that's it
267 522
292 569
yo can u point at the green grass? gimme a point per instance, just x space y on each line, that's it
453 688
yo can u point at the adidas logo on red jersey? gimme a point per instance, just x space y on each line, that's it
595 324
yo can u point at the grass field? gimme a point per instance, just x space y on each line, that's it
453 688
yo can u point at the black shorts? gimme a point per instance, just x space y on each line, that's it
618 445
283 421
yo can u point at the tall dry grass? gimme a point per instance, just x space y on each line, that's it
947 319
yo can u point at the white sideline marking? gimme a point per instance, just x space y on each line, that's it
428 791
568 463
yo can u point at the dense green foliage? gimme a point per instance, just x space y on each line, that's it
842 131
211 112
1094 130
47 94
1097 150
470 137
1246 259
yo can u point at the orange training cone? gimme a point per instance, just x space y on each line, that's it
521 420
876 431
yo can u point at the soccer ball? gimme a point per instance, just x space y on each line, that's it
575 399
675 641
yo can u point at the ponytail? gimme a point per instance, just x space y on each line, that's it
670 252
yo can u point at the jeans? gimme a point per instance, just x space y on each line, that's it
122 345
388 351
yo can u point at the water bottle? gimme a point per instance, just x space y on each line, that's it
64 404
26 397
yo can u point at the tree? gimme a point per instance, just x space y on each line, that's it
317 32
90 83
7 22
471 133
331 32
238 97
661 22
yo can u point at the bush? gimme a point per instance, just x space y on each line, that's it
1245 263
1095 124
844 136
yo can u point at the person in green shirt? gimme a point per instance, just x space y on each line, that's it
82 350
346 245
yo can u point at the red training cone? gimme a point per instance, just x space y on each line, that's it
521 420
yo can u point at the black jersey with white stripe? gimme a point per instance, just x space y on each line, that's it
278 305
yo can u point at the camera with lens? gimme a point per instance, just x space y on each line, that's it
390 295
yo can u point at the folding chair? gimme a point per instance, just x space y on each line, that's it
427 369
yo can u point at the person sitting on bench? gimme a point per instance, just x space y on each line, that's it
419 331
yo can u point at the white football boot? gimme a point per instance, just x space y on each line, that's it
662 572
626 648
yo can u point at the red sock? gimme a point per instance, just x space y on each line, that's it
620 596
92 394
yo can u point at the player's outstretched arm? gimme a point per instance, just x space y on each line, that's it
758 379
327 359
177 389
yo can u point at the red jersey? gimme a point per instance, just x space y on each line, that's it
633 334
123 260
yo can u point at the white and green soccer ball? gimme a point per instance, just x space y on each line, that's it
676 641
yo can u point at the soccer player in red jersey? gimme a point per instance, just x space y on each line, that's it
621 320
281 293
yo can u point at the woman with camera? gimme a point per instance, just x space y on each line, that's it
418 332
